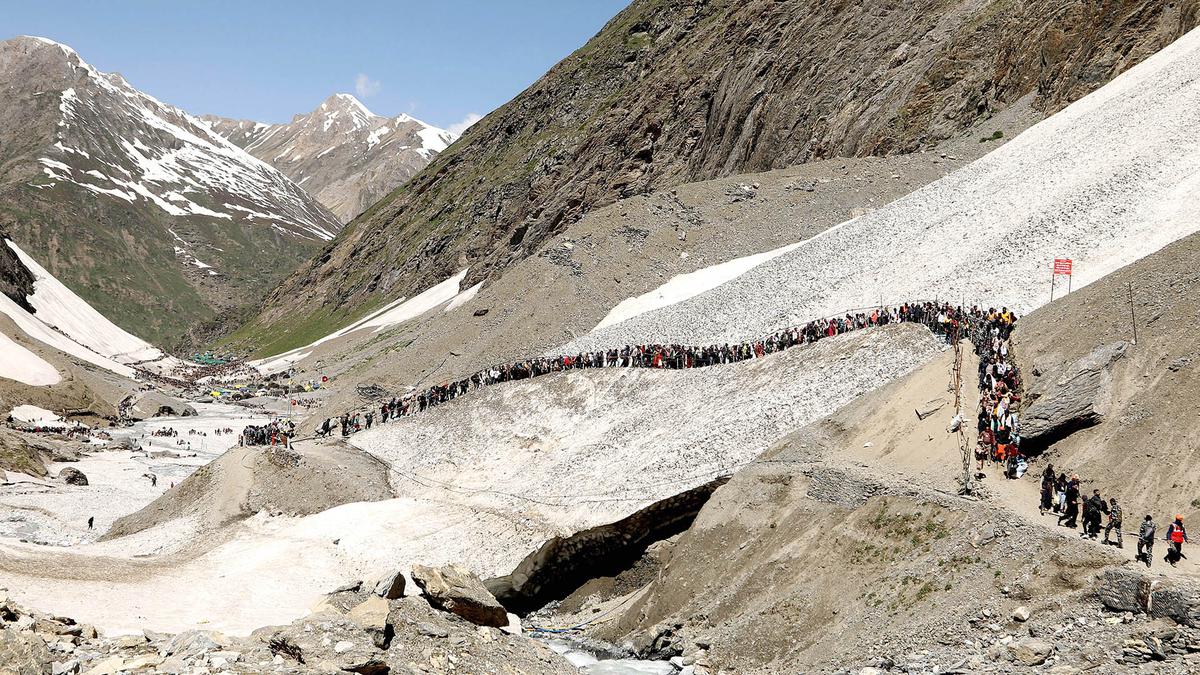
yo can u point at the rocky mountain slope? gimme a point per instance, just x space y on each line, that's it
673 91
341 153
137 206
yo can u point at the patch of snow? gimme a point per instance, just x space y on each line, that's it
31 414
684 286
464 297
58 307
20 364
434 139
398 311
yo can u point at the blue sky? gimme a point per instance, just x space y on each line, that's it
438 60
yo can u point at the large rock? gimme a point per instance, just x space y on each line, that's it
391 586
372 615
456 590
23 653
1031 651
72 476
1122 590
1076 400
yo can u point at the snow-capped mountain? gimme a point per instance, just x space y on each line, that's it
342 153
136 205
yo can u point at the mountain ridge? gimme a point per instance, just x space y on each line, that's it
343 154
150 216
670 92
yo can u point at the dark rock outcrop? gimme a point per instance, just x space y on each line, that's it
1076 400
16 281
72 476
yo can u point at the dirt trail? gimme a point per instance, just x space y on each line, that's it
1022 497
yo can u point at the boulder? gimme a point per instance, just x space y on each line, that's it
455 590
1122 590
372 615
72 476
1021 614
1076 400
391 586
23 652
1031 651
195 642
1175 601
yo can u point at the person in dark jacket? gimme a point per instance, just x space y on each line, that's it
1093 513
1114 523
1146 540
1070 516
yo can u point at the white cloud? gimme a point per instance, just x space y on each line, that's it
459 127
365 86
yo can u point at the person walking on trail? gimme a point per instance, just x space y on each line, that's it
1145 549
1093 512
1070 516
1047 489
91 521
1114 523
1176 536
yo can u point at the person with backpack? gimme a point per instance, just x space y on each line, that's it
1145 547
1176 536
1114 522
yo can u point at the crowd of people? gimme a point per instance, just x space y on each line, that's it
944 319
277 432
997 425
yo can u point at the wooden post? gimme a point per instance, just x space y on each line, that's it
1052 275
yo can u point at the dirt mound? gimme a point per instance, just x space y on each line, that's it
16 454
307 479
1129 411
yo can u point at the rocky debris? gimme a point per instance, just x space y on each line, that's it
742 192
659 642
22 652
330 640
1021 614
72 476
1076 400
454 589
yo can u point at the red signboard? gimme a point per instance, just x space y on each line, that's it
1062 266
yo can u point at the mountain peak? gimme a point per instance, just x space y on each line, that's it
347 103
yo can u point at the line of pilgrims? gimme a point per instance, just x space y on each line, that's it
943 319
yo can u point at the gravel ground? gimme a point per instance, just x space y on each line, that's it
1116 179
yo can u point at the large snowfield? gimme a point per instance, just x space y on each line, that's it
1109 180
66 322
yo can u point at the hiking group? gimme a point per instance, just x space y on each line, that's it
1062 495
